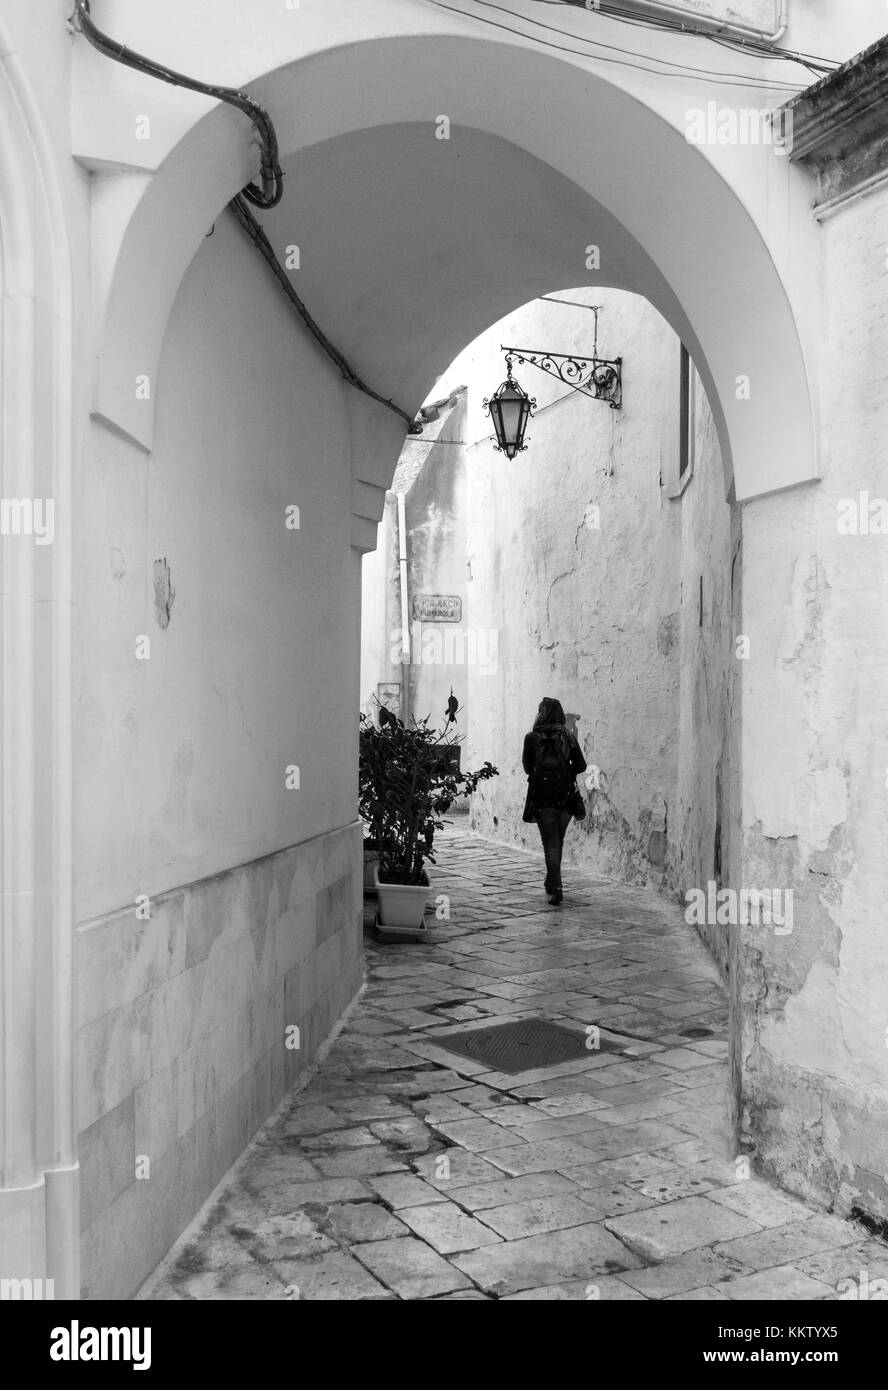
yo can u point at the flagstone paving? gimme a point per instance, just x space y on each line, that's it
403 1171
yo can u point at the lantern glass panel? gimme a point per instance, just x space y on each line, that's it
512 413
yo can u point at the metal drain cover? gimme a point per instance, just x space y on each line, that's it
524 1045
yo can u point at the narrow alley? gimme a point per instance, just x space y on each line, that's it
405 1171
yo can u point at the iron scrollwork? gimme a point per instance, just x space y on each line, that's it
597 377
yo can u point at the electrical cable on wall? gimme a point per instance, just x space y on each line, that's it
267 194
724 40
254 231
661 66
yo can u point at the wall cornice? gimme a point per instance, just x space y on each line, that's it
840 125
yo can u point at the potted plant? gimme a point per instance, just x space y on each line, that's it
371 859
409 779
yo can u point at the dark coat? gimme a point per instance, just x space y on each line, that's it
528 759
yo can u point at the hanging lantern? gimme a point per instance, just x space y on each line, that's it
510 409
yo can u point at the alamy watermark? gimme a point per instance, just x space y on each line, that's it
864 1288
28 516
726 907
734 125
452 646
862 516
27 1290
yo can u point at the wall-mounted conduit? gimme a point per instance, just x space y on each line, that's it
266 194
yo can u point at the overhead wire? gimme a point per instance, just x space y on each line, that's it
658 26
735 42
678 69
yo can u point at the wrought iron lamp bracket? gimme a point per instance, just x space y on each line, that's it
599 378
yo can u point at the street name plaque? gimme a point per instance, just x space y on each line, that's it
437 608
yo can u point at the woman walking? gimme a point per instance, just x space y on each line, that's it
552 760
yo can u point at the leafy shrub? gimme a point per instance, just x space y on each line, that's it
409 778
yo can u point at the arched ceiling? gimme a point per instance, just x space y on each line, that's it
410 244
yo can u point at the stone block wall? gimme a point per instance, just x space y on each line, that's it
183 1038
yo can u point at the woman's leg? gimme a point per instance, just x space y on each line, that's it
564 819
552 837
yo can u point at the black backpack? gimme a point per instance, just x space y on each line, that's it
551 779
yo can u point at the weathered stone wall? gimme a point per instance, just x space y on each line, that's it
573 556
589 605
815 759
584 559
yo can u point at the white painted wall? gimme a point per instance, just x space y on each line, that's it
181 795
707 808
840 30
381 612
601 611
431 475
183 756
816 753
131 236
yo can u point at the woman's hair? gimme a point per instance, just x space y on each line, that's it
550 712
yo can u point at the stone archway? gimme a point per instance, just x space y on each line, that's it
663 219
374 235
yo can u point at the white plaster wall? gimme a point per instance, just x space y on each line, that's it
587 615
435 513
116 719
760 14
708 795
254 889
374 653
816 753
834 28
431 476
528 543
381 613
183 756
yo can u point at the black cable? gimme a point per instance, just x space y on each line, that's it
675 26
814 66
269 194
693 74
266 196
638 23
254 231
576 304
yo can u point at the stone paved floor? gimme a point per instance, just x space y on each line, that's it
403 1171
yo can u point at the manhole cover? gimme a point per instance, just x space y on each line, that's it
522 1046
696 1032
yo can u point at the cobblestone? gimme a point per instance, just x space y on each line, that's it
402 1171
